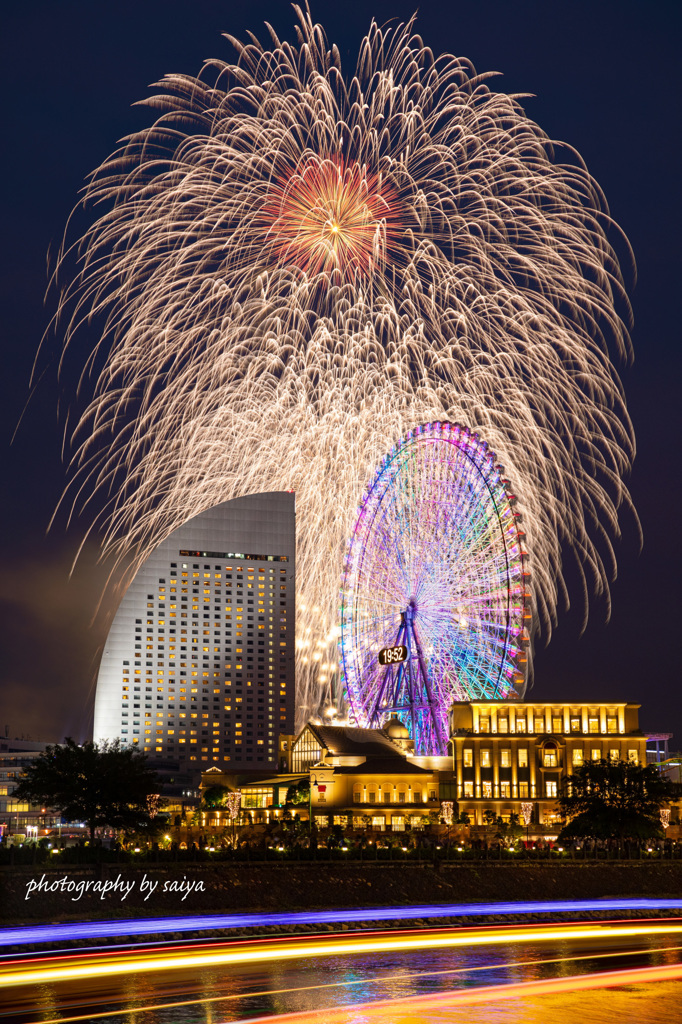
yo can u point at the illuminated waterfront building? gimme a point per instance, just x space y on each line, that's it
359 778
509 753
199 661
505 757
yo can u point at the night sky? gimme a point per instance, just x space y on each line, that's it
604 77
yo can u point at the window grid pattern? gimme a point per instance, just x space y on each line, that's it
205 671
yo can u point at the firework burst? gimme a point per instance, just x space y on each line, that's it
291 268
325 217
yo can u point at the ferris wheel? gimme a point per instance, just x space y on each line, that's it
435 594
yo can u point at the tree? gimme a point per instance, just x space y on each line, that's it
215 796
614 800
100 784
299 793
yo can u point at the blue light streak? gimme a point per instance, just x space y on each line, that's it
25 934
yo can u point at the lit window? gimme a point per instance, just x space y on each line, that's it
487 789
505 790
523 757
595 753
468 758
612 724
550 788
557 725
576 725
633 756
577 758
468 789
505 758
503 725
593 725
485 759
484 724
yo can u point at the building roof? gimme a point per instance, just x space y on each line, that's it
527 703
285 779
351 742
384 766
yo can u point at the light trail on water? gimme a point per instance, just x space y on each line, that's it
25 934
264 951
412 976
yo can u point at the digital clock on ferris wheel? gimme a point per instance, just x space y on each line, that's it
392 655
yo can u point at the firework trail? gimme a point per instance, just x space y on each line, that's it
291 268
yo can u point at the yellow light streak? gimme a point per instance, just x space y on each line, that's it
376 980
260 952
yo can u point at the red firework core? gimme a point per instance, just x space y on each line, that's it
329 215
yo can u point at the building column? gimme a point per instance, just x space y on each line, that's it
602 720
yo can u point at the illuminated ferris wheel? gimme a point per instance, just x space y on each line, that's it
435 598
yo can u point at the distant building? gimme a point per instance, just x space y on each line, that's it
509 753
657 746
17 817
198 666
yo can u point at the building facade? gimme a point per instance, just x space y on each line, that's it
509 753
359 778
17 817
198 665
506 757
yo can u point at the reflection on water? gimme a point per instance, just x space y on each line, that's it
222 995
638 1004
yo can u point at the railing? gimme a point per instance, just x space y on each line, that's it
392 852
